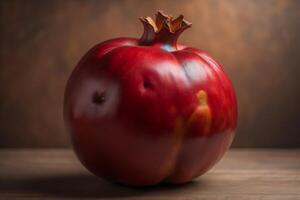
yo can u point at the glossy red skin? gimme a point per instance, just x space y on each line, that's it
142 133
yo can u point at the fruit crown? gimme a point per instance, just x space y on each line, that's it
164 29
164 21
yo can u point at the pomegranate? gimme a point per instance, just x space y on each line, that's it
150 110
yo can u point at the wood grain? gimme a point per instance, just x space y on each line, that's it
242 175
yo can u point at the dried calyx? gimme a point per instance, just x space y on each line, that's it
165 29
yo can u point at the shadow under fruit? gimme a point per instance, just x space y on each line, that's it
149 110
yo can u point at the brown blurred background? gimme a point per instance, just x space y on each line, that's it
258 42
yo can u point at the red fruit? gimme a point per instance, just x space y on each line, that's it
145 111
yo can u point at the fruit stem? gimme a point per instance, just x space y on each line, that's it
164 31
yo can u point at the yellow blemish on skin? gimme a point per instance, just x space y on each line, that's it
202 98
202 113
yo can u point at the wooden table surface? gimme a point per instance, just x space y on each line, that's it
243 174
